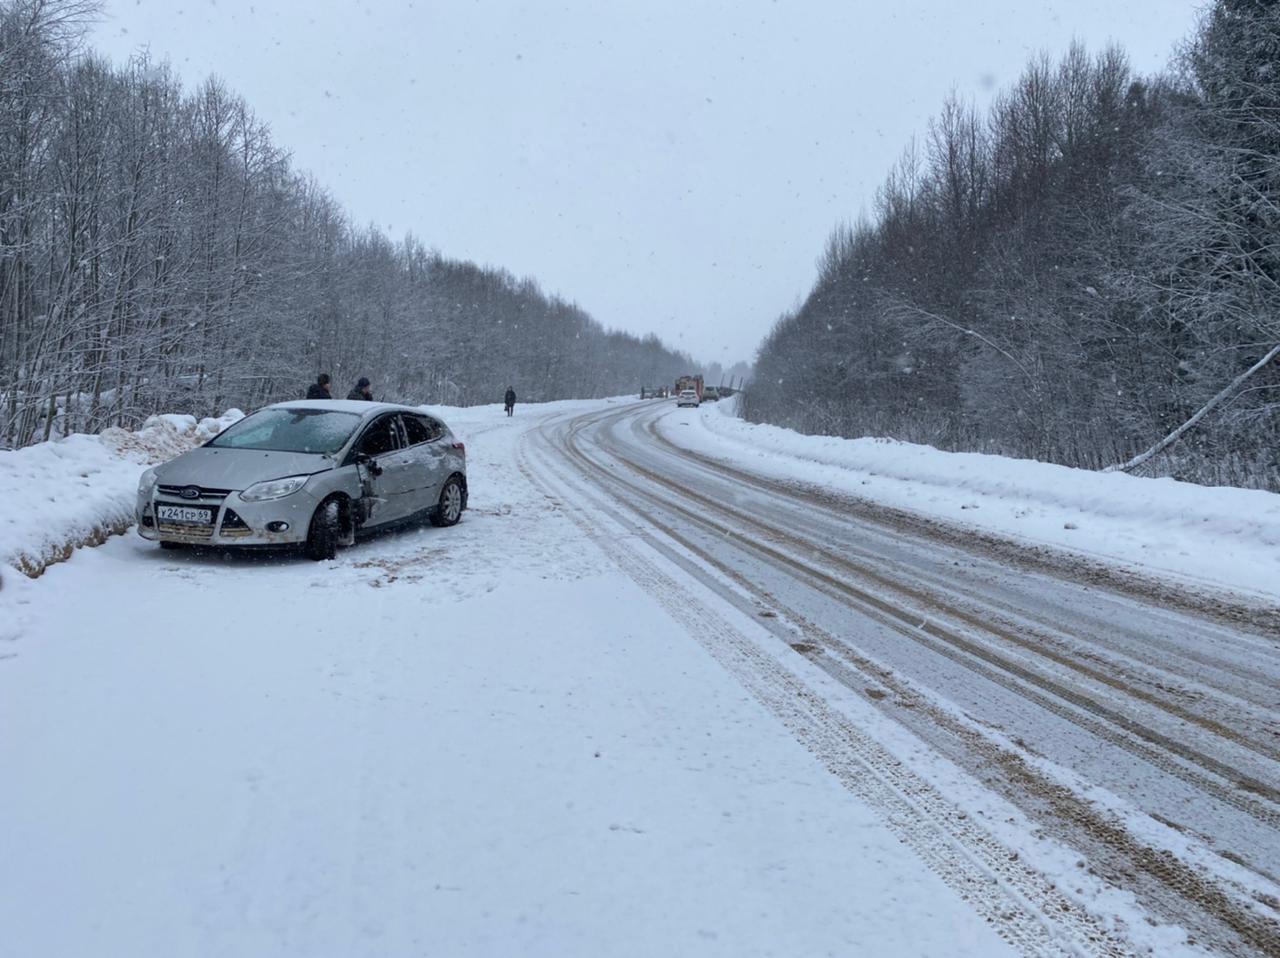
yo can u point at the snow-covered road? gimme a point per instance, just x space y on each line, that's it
636 703
1141 739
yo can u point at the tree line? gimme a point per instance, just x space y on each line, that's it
1070 275
159 252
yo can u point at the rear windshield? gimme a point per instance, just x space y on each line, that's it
290 430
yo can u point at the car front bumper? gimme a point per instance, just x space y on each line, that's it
235 522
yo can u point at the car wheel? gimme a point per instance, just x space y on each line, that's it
449 510
325 531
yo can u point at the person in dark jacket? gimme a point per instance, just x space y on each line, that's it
362 390
320 388
509 400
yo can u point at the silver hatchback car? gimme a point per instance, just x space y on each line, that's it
314 473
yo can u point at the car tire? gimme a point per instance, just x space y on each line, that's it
448 510
324 532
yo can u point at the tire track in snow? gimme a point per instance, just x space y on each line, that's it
1017 900
1247 690
1242 791
1197 599
1253 930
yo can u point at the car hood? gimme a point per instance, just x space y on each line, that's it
217 468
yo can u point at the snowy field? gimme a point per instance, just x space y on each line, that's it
483 740
542 731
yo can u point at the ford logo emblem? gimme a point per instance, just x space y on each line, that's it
190 492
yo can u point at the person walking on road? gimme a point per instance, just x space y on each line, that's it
320 388
362 390
509 400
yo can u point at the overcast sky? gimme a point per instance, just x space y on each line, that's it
671 165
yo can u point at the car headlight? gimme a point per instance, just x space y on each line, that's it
147 482
274 489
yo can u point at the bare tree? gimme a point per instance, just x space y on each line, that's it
1088 270
159 253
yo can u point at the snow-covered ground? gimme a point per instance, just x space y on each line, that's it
69 492
75 491
485 740
1222 537
549 730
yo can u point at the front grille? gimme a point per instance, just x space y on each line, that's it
190 532
216 495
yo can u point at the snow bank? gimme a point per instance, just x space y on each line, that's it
77 491
1224 537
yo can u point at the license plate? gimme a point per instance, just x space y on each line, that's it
188 514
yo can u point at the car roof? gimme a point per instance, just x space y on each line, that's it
361 406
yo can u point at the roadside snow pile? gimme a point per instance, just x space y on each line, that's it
77 491
1221 536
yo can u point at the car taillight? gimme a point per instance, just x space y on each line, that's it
461 447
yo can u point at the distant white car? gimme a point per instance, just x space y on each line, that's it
687 397
710 394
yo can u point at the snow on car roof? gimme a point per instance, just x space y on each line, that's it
360 406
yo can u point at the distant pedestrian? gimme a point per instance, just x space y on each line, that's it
320 389
509 400
362 390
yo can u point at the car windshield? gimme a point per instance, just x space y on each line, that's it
291 430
